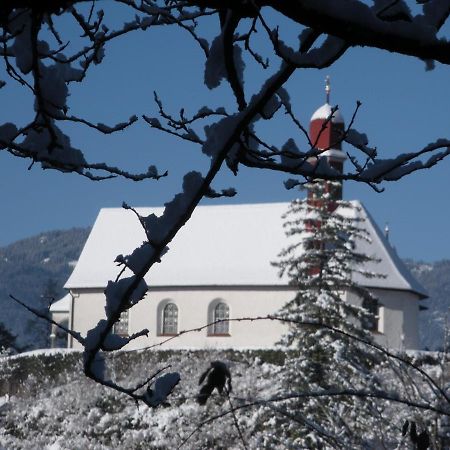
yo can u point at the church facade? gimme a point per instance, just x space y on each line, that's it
219 267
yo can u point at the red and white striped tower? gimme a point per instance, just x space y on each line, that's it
326 136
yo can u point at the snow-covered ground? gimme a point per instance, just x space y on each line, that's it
47 403
62 410
41 352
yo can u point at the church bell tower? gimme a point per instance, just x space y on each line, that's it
326 129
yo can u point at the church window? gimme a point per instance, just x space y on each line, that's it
170 319
221 312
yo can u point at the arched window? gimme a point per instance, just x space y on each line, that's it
170 319
221 312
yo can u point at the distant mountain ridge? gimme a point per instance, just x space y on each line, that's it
35 270
434 322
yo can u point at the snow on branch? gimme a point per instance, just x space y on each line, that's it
396 168
27 53
25 43
158 392
114 294
355 22
228 192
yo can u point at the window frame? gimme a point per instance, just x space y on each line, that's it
162 328
214 330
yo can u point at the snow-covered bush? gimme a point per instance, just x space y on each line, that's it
58 413
67 411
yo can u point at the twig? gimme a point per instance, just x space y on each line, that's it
74 334
236 423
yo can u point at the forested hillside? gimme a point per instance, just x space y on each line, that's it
435 320
35 270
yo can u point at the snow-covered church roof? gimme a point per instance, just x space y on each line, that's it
223 245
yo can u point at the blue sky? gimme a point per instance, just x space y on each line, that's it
404 108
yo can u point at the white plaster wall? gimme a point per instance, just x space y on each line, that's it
193 313
88 309
399 317
410 320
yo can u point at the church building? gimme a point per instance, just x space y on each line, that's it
219 267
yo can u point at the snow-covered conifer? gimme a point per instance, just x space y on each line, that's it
321 261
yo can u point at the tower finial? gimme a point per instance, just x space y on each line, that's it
327 88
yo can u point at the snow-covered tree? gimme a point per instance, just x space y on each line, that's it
327 332
49 46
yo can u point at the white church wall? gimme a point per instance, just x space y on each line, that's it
88 309
397 326
398 318
195 309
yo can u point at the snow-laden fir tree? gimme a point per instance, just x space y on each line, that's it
321 262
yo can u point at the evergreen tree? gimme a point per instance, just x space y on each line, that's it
321 262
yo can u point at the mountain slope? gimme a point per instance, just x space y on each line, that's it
34 270
435 321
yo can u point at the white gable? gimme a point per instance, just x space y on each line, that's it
223 245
